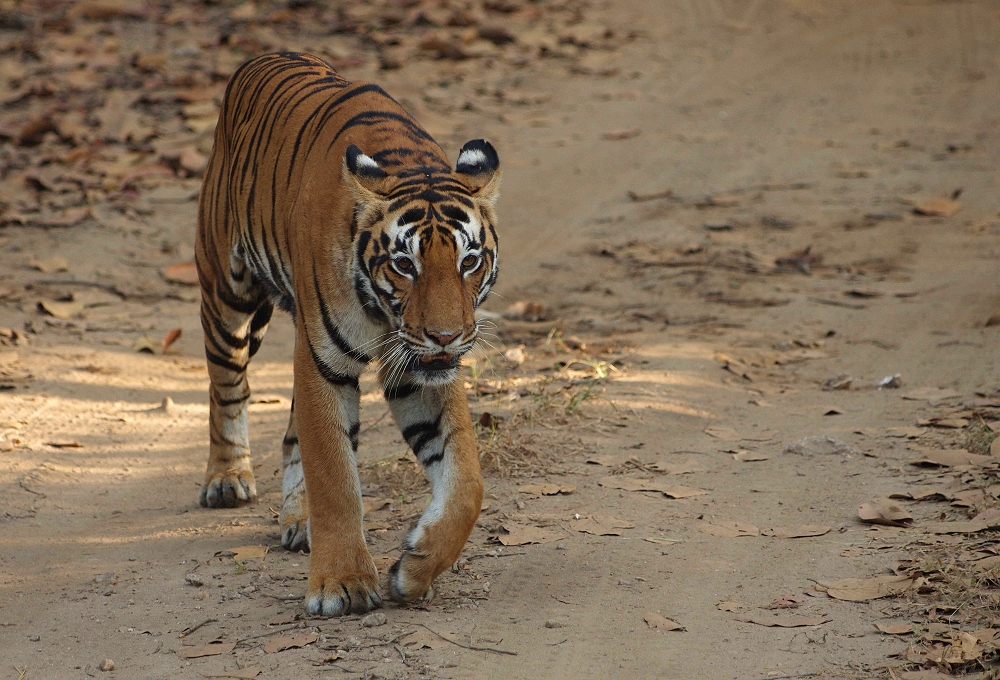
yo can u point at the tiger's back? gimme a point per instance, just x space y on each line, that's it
377 257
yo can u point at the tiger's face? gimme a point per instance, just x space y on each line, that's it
426 256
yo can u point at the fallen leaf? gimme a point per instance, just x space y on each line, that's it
931 394
950 458
883 511
631 484
790 621
50 265
601 525
249 552
937 207
971 526
183 272
147 345
797 531
283 619
661 623
894 628
65 444
547 489
518 534
615 135
375 504
724 433
728 529
662 541
211 649
865 589
750 456
421 638
60 309
172 336
283 642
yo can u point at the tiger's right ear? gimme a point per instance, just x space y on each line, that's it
478 167
368 182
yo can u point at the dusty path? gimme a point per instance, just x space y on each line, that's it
782 125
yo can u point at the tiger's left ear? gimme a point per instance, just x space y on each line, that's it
478 167
368 182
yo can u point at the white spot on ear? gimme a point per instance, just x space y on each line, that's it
363 162
472 157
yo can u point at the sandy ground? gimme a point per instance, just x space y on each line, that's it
777 126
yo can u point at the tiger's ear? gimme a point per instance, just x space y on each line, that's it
368 182
478 167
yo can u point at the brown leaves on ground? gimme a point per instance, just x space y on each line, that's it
668 490
601 525
283 642
885 512
786 621
872 588
661 623
211 649
519 534
727 529
547 489
184 273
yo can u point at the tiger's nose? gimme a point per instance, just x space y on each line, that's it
442 337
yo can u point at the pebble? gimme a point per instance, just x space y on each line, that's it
552 623
194 580
373 620
35 638
107 665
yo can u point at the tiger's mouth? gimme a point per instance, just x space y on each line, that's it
428 363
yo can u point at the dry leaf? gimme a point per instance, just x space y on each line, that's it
661 623
172 336
249 552
894 628
375 504
865 589
631 484
790 621
951 458
518 534
65 444
931 394
283 642
50 265
749 456
601 525
211 649
971 526
616 135
797 531
727 434
686 467
547 489
937 207
883 511
59 309
239 673
147 345
728 529
182 272
421 638
662 541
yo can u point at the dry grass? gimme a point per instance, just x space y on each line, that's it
977 437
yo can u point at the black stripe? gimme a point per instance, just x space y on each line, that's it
225 363
399 391
331 329
232 402
352 434
290 441
419 435
330 375
235 303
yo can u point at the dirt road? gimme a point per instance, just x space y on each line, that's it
777 152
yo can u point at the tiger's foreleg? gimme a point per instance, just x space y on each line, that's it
435 422
342 575
234 316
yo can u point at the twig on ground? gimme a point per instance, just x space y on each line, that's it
475 648
190 629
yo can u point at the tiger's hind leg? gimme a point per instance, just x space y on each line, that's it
235 311
294 519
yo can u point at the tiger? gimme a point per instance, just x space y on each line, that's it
326 199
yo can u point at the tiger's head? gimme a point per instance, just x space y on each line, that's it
425 254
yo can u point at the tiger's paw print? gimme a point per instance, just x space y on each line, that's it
337 596
228 489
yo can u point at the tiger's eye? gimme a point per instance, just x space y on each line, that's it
469 262
403 264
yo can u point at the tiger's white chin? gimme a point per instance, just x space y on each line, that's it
434 378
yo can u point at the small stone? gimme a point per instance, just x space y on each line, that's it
373 620
35 638
107 665
194 580
552 623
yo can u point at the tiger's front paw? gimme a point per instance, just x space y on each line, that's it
294 531
410 577
345 594
228 489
